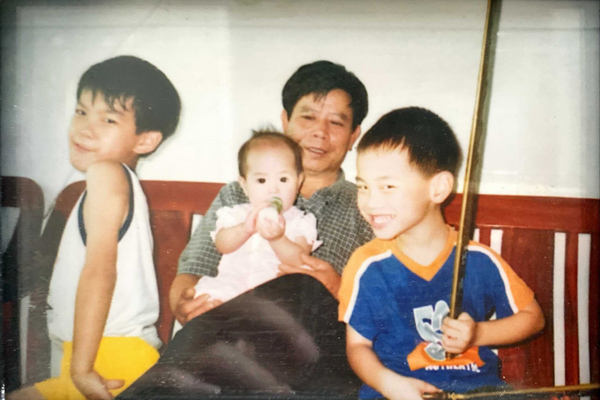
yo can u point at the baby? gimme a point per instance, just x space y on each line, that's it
256 237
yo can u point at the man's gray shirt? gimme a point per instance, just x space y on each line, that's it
339 225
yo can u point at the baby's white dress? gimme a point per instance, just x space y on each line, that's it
255 262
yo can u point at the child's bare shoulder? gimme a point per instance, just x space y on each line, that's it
107 194
107 177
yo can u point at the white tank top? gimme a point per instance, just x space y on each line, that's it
134 307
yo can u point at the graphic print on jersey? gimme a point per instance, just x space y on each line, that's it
430 352
429 324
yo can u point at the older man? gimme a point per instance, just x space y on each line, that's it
283 335
324 106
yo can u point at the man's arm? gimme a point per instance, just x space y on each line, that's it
462 333
105 208
369 368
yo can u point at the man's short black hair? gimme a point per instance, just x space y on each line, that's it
429 140
320 78
156 102
273 138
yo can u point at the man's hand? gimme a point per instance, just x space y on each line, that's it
189 307
459 334
183 304
318 269
95 387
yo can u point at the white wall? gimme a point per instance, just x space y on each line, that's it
230 59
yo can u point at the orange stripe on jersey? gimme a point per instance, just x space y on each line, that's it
427 272
357 264
418 358
518 293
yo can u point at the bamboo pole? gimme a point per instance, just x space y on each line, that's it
475 151
531 392
467 217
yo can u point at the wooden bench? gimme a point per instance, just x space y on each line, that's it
17 267
552 243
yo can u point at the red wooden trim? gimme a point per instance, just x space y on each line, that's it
530 253
594 301
195 197
21 193
68 197
171 235
571 325
485 235
187 222
530 212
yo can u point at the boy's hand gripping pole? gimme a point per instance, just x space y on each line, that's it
475 153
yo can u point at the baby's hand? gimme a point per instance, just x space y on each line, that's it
398 387
271 229
459 334
251 219
257 214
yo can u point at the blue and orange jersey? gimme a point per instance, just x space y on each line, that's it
399 306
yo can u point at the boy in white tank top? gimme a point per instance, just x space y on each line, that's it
103 293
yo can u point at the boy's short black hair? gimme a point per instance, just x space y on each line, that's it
268 136
320 78
156 102
430 141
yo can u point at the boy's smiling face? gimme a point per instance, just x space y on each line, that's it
100 132
393 195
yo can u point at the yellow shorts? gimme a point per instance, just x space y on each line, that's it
125 358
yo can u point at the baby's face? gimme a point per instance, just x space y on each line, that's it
270 172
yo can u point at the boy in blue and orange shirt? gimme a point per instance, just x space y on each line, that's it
396 289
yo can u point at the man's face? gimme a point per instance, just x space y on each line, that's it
323 129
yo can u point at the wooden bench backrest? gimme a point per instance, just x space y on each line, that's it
18 268
172 206
541 238
27 196
551 243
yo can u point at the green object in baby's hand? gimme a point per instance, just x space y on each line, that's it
277 204
272 211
